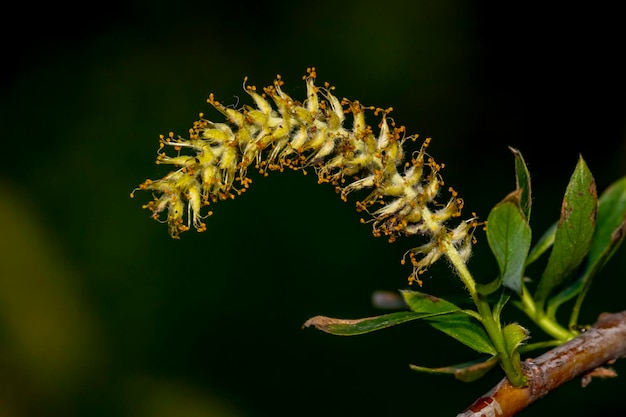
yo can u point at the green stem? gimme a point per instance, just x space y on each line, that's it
512 369
553 328
539 345
547 323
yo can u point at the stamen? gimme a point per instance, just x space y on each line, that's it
285 133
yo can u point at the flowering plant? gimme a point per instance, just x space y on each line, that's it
406 198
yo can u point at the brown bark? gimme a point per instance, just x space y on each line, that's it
582 356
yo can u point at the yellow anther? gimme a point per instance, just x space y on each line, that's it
280 133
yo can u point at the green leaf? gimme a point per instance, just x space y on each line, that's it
451 320
465 329
420 302
509 237
514 335
466 372
611 225
345 327
522 181
609 235
574 231
545 242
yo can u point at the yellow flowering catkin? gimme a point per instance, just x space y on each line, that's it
284 133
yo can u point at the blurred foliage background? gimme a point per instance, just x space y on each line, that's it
102 314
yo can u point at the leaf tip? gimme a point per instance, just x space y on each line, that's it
318 322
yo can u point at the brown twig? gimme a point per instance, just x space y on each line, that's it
582 356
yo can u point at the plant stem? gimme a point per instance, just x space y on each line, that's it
553 328
545 322
582 355
512 369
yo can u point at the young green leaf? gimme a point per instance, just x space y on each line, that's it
522 181
574 232
609 234
466 372
420 302
514 335
344 327
509 236
465 329
544 243
611 225
451 320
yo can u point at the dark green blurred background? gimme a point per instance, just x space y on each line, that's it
102 314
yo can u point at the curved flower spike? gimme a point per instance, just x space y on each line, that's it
280 132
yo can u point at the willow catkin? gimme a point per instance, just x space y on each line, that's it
279 132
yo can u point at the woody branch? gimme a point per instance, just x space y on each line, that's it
581 356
